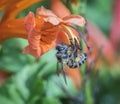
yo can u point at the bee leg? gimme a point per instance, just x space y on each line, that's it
64 73
79 46
57 71
74 49
71 44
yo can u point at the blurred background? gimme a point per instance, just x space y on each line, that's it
27 80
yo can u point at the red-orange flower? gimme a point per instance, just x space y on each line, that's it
10 27
44 37
14 7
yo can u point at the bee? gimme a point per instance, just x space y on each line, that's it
69 55
78 61
62 57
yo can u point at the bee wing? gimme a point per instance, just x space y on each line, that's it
64 73
57 71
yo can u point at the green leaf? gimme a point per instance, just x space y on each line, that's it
16 88
51 101
11 57
55 82
50 63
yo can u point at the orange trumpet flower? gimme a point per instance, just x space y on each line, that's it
9 26
14 7
44 37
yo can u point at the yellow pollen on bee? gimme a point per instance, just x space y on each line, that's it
76 59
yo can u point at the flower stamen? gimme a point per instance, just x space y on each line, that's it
81 35
69 33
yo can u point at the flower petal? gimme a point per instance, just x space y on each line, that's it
75 19
12 29
34 35
59 8
48 16
35 52
101 41
115 28
46 47
5 4
16 8
75 76
49 35
62 37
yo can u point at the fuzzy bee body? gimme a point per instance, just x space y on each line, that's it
68 55
78 61
82 58
62 52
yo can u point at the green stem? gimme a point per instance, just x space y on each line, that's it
88 92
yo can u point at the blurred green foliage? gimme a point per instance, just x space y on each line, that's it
97 11
11 57
100 12
108 85
35 81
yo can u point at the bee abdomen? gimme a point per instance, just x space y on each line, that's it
82 59
72 64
